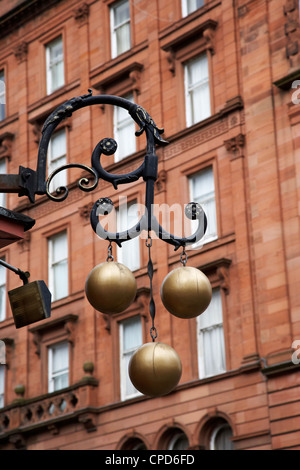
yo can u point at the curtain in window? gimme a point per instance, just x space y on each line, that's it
131 339
2 375
121 28
197 90
129 254
124 131
211 344
2 292
58 247
57 158
59 366
202 190
55 65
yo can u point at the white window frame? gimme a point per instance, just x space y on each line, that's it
2 385
3 170
3 288
52 375
216 302
53 263
2 95
217 429
57 161
207 201
202 85
125 123
187 8
125 356
114 29
49 66
127 217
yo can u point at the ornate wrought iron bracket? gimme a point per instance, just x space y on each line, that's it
30 183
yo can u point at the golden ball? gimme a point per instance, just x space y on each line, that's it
110 287
186 292
155 369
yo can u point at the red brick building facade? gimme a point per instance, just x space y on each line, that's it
222 78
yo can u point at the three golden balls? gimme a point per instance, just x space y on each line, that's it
155 369
110 287
186 292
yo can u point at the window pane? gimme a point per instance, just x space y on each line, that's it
2 375
2 292
58 366
3 171
2 95
120 28
57 158
124 131
197 90
129 253
55 65
130 339
188 6
202 190
58 266
211 345
132 334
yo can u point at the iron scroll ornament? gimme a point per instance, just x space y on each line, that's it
107 146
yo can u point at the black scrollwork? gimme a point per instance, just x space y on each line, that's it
62 192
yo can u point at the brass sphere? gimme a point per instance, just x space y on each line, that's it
110 287
186 292
155 369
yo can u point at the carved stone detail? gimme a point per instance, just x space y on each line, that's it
6 145
81 14
235 146
160 184
292 32
21 51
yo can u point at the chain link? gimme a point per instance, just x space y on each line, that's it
109 253
183 257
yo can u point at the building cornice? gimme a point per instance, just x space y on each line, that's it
22 13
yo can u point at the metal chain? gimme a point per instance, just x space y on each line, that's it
109 253
153 331
183 257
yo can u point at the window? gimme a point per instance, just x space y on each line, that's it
58 366
129 253
221 438
57 158
58 265
211 347
131 339
2 292
188 6
120 28
178 441
202 191
2 384
2 95
55 65
197 93
124 131
3 170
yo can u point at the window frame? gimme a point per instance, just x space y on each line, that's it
2 391
50 264
49 78
114 28
122 360
127 123
4 285
207 238
120 251
202 373
51 375
189 89
3 95
185 7
63 179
